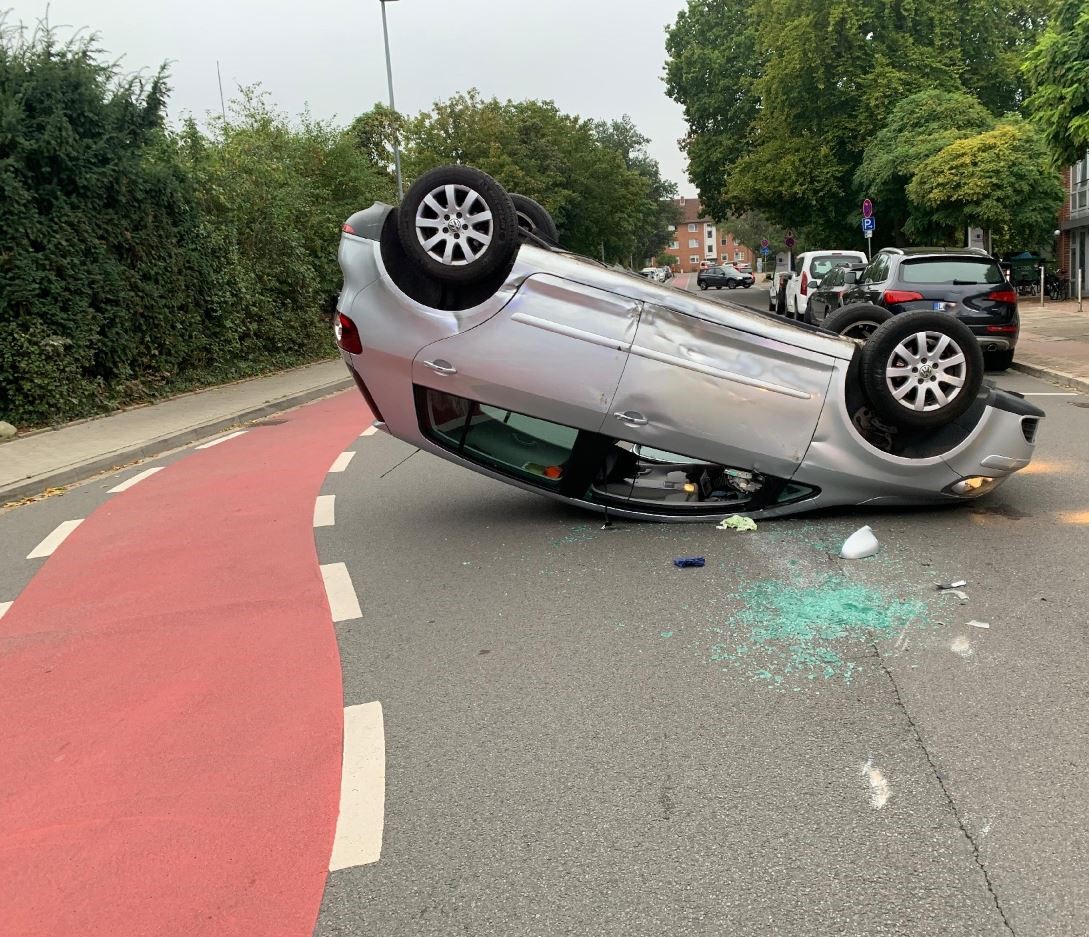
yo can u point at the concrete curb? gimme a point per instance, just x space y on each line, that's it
1061 378
160 444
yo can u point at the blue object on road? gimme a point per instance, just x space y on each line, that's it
681 562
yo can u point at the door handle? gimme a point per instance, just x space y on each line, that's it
442 367
635 419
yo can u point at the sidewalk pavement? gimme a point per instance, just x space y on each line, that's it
50 458
1054 342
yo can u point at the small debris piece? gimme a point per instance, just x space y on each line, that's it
952 585
960 595
736 522
979 624
860 544
683 562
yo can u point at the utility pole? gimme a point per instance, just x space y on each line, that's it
392 106
222 103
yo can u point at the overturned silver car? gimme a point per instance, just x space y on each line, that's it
473 336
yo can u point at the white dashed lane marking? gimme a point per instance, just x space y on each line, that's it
4 606
358 839
343 602
324 508
216 442
369 431
341 462
135 480
54 540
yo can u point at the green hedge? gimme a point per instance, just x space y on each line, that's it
135 261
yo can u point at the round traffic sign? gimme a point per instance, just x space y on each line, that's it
764 242
867 208
788 241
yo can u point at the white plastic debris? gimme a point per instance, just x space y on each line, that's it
963 596
979 624
736 522
859 545
946 586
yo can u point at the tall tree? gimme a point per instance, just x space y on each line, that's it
1002 180
1058 73
917 128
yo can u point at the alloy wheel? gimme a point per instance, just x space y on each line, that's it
454 225
926 371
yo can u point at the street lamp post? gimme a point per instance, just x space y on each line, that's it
392 106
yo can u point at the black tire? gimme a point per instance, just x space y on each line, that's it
912 359
771 303
449 260
702 286
997 360
807 316
534 218
732 284
858 320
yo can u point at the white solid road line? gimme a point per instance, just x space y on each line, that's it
54 540
358 839
343 602
216 442
342 462
324 508
4 606
135 480
369 431
1048 393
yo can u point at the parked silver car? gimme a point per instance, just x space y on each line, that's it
472 336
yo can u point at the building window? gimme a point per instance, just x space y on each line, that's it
673 245
739 255
693 260
693 242
693 227
672 227
725 242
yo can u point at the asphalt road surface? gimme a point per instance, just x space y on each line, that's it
579 738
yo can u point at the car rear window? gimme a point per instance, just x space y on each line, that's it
821 265
951 270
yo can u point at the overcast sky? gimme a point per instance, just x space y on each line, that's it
595 58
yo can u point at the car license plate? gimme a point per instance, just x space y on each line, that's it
944 307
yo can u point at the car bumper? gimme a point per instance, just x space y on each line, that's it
989 341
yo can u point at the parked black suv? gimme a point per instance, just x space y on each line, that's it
965 282
726 275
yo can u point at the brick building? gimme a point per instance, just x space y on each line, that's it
1074 225
697 239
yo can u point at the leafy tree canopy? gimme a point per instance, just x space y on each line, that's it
1057 70
1001 179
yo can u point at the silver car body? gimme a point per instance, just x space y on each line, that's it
571 342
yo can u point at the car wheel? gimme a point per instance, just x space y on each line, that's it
533 218
859 320
732 284
702 286
998 360
457 224
807 316
771 303
921 369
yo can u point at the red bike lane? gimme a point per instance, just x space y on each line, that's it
170 702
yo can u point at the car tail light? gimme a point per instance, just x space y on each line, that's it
1001 329
347 228
892 297
1003 296
347 335
805 283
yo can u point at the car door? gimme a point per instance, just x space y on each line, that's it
707 390
555 351
871 286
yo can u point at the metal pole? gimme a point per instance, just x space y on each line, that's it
392 106
1079 289
1041 286
222 104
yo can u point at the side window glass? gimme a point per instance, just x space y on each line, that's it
519 445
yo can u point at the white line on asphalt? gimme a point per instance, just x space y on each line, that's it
54 540
369 431
879 786
343 602
135 480
1047 393
341 462
358 839
323 511
216 442
4 606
